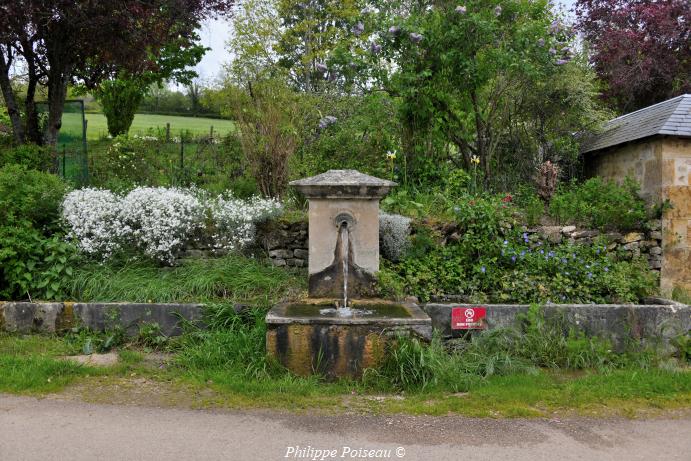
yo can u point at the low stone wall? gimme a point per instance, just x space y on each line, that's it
286 242
618 322
630 245
24 317
647 243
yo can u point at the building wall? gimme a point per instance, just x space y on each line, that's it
662 166
642 161
676 222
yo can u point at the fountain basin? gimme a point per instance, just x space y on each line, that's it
313 336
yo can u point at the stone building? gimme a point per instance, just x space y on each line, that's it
653 146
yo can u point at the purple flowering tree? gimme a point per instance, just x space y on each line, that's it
640 48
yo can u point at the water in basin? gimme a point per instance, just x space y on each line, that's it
355 310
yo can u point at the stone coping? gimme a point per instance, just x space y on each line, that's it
618 322
277 315
343 184
31 317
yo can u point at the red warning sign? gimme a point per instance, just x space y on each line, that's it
468 318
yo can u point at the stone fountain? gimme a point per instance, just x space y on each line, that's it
340 330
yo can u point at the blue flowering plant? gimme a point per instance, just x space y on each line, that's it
490 258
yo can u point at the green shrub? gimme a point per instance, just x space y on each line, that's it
531 205
359 137
435 201
32 265
4 117
599 204
490 260
6 135
31 156
127 162
34 260
31 196
120 98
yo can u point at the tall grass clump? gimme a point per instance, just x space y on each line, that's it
230 278
234 344
537 343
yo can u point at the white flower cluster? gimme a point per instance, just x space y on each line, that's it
235 219
160 221
94 220
393 235
148 138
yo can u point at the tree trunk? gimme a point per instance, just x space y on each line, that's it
33 131
57 93
8 96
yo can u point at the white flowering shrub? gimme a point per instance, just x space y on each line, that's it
235 220
159 221
393 235
93 216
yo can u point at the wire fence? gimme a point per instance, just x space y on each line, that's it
159 156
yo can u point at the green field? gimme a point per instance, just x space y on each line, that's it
144 123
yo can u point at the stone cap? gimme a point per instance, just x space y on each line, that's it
343 184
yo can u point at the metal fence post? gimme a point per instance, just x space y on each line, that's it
85 158
182 156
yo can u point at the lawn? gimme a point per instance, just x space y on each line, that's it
144 123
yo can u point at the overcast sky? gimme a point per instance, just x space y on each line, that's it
214 35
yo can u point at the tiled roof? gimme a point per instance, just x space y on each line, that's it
671 117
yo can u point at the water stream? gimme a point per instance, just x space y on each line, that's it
345 253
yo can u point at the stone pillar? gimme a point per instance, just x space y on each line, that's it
676 222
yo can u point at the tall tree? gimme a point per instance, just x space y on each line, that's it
313 31
640 48
82 41
457 68
195 88
255 34
121 95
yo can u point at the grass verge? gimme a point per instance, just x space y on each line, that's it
30 365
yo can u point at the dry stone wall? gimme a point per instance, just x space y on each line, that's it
287 242
629 245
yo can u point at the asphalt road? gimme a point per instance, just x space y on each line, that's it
50 429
